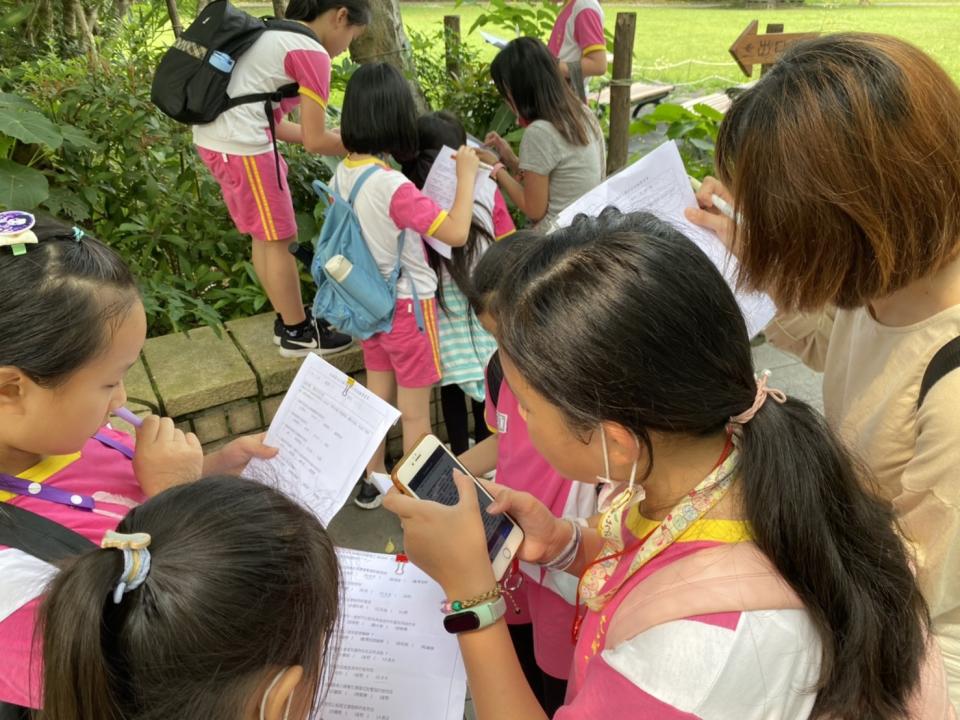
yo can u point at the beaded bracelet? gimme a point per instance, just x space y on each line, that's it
448 606
565 557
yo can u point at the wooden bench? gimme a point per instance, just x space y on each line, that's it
640 94
718 101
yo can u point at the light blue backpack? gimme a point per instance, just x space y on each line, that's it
352 295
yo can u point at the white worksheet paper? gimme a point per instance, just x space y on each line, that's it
327 428
497 42
441 186
396 662
658 183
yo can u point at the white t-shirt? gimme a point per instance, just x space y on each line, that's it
389 203
277 58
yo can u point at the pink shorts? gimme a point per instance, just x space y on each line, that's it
258 204
413 356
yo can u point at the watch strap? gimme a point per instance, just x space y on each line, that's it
476 617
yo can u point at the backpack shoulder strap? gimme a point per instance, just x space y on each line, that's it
274 23
494 377
944 362
36 535
734 577
355 190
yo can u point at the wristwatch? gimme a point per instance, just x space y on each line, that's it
475 618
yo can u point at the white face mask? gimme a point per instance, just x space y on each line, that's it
266 694
611 489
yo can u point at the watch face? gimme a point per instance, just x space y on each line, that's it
461 622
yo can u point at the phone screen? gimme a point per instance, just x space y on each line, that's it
434 481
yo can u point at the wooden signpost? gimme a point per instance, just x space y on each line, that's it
752 49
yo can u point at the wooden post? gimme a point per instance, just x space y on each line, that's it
772 28
279 7
451 43
624 33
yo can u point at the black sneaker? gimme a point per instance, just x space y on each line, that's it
277 329
330 341
369 497
298 340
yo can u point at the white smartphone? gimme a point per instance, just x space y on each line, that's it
427 473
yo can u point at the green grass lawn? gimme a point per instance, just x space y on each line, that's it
688 44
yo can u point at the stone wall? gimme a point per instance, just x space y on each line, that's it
228 384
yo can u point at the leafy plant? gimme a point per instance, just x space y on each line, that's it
470 94
26 134
694 130
82 140
533 19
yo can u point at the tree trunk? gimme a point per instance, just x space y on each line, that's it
279 6
86 31
385 41
121 8
174 17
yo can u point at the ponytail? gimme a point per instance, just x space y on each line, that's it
80 682
592 319
837 546
242 581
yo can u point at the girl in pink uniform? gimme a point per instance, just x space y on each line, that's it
403 365
743 571
578 39
227 614
72 325
540 634
239 151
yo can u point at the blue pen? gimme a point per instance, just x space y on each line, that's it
128 416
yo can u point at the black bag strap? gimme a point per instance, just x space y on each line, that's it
946 360
494 377
9 711
36 535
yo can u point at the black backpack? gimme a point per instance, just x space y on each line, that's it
190 84
44 539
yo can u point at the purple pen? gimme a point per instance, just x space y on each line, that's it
128 416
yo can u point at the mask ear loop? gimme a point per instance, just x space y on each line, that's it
606 459
632 492
266 694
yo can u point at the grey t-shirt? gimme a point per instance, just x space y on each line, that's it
573 170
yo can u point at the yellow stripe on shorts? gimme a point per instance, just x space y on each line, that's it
431 322
266 219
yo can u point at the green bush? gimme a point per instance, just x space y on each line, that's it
694 130
96 151
470 94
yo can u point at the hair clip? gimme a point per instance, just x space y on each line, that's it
78 234
136 560
15 231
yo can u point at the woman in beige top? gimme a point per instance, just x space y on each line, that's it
843 163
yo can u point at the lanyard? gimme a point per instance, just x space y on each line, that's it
692 507
18 486
115 444
42 491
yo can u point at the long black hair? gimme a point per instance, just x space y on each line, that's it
358 11
242 582
60 302
494 264
379 115
434 130
526 74
623 319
